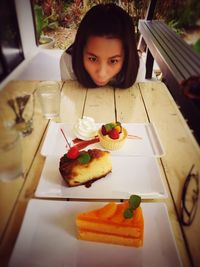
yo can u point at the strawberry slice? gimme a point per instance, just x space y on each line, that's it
103 130
73 153
113 134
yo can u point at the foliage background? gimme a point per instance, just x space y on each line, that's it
60 18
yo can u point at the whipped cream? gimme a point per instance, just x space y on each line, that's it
85 128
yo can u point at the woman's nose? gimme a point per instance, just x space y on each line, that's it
102 70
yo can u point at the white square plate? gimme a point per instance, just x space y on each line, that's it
48 238
138 175
148 143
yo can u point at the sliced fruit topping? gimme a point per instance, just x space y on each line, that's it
118 128
103 130
84 157
73 153
108 210
109 127
114 134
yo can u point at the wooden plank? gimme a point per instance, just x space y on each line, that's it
192 234
181 46
168 48
161 57
8 194
171 47
181 151
72 101
129 105
100 104
177 49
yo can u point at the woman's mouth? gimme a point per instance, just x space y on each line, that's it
100 83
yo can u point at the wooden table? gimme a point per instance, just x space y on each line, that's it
143 102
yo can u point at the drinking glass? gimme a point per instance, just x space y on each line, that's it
48 93
10 154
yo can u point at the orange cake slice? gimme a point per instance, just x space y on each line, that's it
108 225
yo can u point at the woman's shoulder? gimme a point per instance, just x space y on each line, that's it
66 58
66 69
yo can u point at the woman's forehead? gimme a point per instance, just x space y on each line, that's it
98 45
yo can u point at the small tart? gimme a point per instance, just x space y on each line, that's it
112 144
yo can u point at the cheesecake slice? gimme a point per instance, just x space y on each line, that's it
108 225
77 173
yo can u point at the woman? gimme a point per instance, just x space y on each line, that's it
104 51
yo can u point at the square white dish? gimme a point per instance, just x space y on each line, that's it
47 238
138 175
148 143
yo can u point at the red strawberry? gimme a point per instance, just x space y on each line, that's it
113 134
73 153
103 130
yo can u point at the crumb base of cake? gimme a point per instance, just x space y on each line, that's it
88 182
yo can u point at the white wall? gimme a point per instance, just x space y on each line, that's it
26 27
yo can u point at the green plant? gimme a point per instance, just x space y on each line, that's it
184 13
72 14
189 14
173 24
44 22
38 20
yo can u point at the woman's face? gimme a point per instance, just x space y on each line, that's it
103 58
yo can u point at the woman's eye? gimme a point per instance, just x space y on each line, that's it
93 59
113 61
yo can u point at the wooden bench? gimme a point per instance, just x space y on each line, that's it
177 62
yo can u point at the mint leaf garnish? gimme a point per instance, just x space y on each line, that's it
109 126
84 157
128 213
134 202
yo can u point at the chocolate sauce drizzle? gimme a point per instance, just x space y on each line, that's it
80 144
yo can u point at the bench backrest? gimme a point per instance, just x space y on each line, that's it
168 48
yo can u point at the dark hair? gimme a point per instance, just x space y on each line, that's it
107 20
